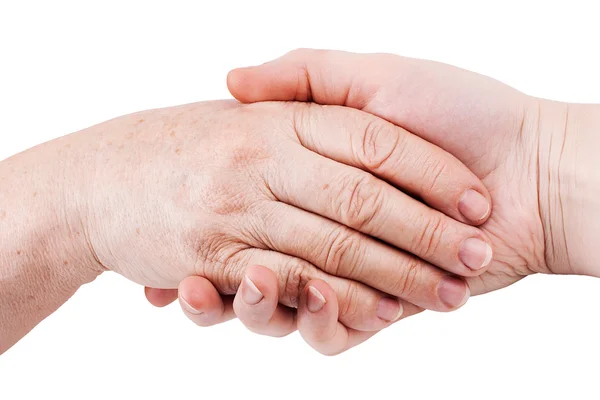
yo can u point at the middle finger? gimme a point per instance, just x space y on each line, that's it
341 251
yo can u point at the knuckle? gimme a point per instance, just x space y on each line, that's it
350 303
379 143
362 201
218 258
434 168
303 85
341 252
295 277
301 122
427 241
409 280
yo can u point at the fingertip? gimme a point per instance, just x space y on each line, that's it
453 293
277 80
237 83
322 290
476 254
475 206
197 296
257 297
390 309
318 319
256 304
160 297
318 306
264 279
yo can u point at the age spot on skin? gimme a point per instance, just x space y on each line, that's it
34 194
137 230
178 151
19 252
3 214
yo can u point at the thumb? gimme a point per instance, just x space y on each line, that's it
300 75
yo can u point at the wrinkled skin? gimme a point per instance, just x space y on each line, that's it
210 189
513 142
244 197
535 156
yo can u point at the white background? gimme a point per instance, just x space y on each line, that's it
65 66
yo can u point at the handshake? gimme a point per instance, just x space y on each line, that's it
342 193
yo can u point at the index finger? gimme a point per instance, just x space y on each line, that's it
396 156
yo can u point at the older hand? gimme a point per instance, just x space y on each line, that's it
390 153
536 157
208 189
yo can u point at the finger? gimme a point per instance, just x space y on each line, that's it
397 156
202 303
160 297
318 321
445 105
360 201
358 302
343 252
256 304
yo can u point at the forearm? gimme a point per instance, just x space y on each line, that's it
573 211
42 260
581 189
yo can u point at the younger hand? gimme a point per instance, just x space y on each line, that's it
255 304
536 157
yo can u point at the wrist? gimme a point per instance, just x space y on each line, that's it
569 186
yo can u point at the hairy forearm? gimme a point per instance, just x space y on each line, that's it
42 259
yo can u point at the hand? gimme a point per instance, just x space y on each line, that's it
533 155
207 189
255 304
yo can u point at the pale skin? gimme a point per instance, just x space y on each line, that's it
203 191
536 157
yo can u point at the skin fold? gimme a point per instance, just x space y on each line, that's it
535 156
205 191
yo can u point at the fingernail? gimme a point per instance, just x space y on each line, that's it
315 300
250 293
453 292
389 309
475 253
473 206
189 308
